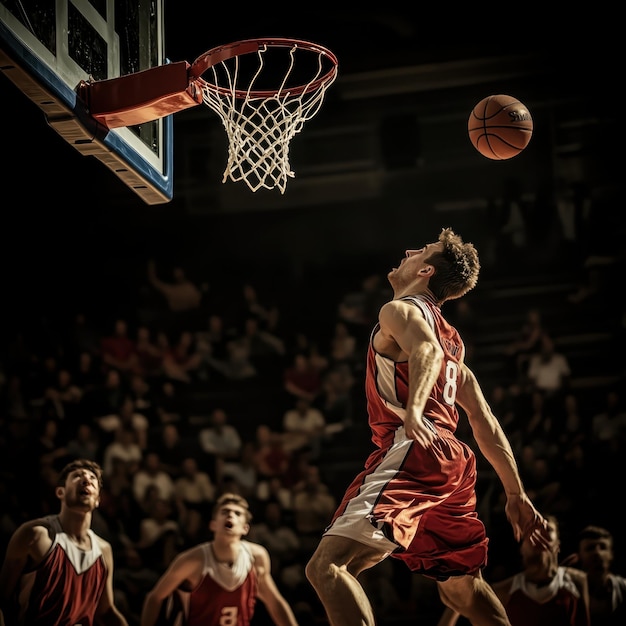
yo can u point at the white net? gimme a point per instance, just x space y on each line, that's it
260 123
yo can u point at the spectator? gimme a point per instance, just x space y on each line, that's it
160 535
172 448
335 399
62 400
281 541
343 345
548 370
237 366
107 397
149 353
87 373
171 404
313 506
219 441
608 426
215 335
84 443
251 305
83 337
301 379
140 390
274 489
151 474
265 348
243 471
119 350
183 298
182 361
360 308
123 452
526 343
49 448
126 414
181 295
304 426
195 495
272 459
133 579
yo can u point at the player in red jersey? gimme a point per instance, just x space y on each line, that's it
544 593
415 498
57 571
218 582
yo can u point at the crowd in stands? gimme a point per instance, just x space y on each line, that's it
181 402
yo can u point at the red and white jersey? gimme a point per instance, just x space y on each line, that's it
65 588
555 604
386 383
419 505
226 594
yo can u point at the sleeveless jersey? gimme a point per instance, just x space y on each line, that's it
65 588
418 505
386 383
226 595
555 604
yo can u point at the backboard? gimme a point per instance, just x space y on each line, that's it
47 47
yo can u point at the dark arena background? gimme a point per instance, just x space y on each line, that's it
384 166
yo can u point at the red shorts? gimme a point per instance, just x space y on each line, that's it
418 505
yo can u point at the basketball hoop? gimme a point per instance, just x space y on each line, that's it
261 118
264 90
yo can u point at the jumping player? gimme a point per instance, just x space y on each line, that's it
415 498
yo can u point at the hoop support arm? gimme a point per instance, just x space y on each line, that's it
141 97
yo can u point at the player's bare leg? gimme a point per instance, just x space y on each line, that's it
333 570
473 597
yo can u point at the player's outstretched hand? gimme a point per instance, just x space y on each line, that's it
526 521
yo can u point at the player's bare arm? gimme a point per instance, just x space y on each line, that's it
405 335
495 446
185 568
107 613
27 547
579 579
268 592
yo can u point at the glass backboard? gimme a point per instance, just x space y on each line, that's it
47 47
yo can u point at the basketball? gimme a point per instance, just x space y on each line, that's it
500 127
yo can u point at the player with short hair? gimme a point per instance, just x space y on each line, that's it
415 499
544 593
56 570
218 582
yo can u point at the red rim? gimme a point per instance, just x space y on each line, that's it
248 46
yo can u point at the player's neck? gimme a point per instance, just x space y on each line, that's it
76 526
417 290
225 552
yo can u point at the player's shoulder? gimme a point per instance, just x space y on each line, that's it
38 525
502 588
104 544
195 553
577 576
256 549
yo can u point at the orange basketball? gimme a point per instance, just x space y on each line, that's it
500 127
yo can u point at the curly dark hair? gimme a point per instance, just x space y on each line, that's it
456 267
